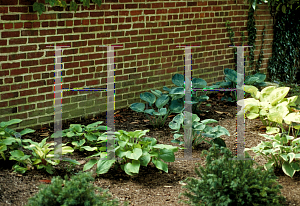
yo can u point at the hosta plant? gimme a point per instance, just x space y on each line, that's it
43 156
282 151
134 151
79 190
231 82
226 182
7 141
173 100
89 135
271 106
200 130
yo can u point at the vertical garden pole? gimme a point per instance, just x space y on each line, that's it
240 138
188 138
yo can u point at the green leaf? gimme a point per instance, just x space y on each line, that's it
138 107
73 6
288 169
160 165
161 101
148 97
135 154
145 159
104 165
133 167
178 80
89 164
11 122
166 155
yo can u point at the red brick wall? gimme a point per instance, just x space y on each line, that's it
149 32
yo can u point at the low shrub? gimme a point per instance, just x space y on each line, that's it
231 182
77 191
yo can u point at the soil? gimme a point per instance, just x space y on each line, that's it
151 186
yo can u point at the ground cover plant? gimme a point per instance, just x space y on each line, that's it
151 186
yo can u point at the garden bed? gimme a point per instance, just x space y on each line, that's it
151 186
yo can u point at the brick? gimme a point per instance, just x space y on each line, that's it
10 34
54 38
37 83
10 65
3 10
35 55
8 111
4 88
29 63
46 104
36 98
47 32
36 113
45 89
18 71
17 102
28 92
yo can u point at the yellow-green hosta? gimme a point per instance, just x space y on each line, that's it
270 105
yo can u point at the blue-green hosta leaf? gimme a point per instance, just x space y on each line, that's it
178 80
199 126
231 75
198 83
162 101
138 107
148 97
160 165
162 112
251 80
156 93
149 111
166 89
176 106
174 125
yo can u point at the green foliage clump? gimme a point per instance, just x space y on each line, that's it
232 182
77 191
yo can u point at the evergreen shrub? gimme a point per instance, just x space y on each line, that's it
77 192
231 182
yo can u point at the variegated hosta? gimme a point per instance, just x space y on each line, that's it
43 156
271 106
281 152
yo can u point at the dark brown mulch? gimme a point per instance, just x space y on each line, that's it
151 186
